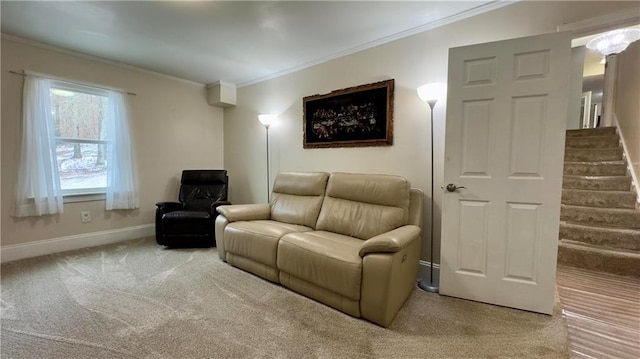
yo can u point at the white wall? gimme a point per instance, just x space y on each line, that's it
173 129
574 121
627 103
411 61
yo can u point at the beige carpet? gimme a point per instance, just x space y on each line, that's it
137 300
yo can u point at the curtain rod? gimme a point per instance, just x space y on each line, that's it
57 78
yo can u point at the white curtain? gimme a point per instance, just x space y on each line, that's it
39 191
122 179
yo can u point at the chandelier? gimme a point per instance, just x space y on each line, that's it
613 42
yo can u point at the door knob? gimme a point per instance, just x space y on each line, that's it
452 188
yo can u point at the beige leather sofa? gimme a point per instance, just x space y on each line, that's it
351 241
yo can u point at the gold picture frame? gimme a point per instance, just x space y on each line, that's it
351 117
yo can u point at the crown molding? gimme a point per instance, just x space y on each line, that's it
598 24
21 40
480 9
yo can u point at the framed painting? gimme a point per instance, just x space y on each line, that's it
355 116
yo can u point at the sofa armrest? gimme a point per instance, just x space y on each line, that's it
387 281
245 212
161 209
220 224
390 242
213 210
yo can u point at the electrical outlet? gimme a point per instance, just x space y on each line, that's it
85 216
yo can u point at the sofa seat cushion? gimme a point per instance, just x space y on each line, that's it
257 240
326 259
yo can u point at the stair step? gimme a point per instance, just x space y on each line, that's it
604 199
600 131
599 259
600 226
608 141
583 154
601 183
602 168
601 236
607 217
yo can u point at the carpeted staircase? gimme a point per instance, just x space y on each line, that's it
600 221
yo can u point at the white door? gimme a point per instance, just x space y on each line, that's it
505 128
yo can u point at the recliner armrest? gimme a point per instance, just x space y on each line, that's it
217 204
390 242
245 212
165 207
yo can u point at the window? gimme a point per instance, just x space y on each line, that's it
79 116
75 140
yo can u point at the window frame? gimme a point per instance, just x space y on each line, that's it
80 194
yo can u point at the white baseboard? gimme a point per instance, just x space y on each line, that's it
426 264
424 270
55 245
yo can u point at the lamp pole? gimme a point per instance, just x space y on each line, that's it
431 287
266 126
430 93
266 121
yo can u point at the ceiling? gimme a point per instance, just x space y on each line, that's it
235 42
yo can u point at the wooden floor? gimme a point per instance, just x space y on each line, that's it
602 313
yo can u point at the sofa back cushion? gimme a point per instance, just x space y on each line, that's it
364 205
297 197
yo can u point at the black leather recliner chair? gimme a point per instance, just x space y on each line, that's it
190 222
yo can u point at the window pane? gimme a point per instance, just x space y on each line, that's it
81 165
78 114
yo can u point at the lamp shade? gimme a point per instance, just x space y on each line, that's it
266 120
432 92
613 42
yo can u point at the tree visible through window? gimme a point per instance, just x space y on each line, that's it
80 121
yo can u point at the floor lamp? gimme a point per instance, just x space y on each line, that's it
430 93
266 121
